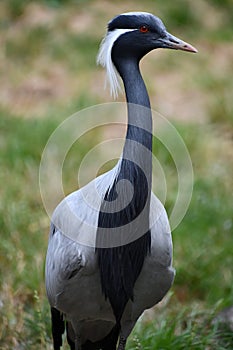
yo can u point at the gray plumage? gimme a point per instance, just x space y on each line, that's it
85 283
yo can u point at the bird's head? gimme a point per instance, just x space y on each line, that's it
130 36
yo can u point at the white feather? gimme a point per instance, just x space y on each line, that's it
104 58
136 14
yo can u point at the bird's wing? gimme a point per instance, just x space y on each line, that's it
72 239
77 215
64 260
161 239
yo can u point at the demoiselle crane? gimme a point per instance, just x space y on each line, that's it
110 248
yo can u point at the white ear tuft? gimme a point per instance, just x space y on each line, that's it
104 58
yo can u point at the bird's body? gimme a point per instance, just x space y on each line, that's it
76 289
110 249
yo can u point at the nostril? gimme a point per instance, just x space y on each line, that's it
174 41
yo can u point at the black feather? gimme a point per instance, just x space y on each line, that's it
121 265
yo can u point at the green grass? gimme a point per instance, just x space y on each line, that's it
184 331
35 56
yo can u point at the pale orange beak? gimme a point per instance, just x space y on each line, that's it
172 42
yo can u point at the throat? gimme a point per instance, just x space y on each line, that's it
138 144
135 88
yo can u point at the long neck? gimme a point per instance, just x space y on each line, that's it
131 223
138 144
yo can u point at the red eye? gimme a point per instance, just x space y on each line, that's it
144 29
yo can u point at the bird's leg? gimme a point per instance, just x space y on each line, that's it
70 335
77 342
122 343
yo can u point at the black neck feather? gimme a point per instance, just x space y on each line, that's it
121 263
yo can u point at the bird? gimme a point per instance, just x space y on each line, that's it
110 253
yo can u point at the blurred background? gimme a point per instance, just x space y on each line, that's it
48 71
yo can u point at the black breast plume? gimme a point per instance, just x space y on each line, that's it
122 242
